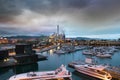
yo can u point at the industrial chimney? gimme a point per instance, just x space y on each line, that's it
57 29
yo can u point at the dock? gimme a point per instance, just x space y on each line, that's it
38 50
78 62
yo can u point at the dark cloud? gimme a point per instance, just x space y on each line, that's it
8 30
11 8
53 4
103 10
85 12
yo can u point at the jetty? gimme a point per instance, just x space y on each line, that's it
40 50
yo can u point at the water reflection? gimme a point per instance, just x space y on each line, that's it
2 71
58 47
25 68
51 52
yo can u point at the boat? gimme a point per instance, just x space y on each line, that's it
60 51
104 55
114 71
86 52
96 71
78 48
58 74
88 60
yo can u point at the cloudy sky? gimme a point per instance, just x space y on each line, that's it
86 18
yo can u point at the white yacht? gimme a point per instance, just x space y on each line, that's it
86 52
96 71
58 74
103 55
60 51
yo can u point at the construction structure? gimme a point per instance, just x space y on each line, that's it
57 36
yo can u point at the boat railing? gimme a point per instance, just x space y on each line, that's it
31 74
69 73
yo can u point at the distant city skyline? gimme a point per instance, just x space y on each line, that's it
77 18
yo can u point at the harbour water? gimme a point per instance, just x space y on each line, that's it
54 61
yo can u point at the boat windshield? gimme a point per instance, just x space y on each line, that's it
101 72
31 74
58 70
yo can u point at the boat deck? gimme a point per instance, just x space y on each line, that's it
114 71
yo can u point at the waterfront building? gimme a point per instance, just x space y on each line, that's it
25 54
3 55
23 49
26 59
99 42
3 40
57 36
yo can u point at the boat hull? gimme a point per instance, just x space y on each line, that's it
59 73
91 73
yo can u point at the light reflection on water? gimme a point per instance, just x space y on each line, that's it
54 61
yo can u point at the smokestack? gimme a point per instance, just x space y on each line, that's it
57 29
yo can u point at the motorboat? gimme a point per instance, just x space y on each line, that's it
96 71
86 52
58 74
60 51
103 55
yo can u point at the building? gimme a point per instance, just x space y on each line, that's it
3 40
23 49
25 54
3 54
26 59
57 37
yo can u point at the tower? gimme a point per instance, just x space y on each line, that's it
57 30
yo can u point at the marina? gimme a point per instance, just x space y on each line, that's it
59 39
101 52
59 52
53 61
67 53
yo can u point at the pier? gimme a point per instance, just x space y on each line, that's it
40 50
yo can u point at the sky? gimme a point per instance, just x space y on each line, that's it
77 18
